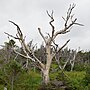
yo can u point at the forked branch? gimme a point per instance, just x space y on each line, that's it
63 45
69 21
59 49
27 50
52 20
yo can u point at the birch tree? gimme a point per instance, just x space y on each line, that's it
50 45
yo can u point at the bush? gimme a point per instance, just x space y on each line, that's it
79 67
28 81
73 80
87 76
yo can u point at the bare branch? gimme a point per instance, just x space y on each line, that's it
64 45
18 29
42 35
63 18
69 22
52 20
65 64
79 24
24 55
60 48
39 62
12 36
55 43
27 50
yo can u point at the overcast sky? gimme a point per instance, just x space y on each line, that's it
31 14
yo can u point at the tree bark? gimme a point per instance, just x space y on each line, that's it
45 75
48 64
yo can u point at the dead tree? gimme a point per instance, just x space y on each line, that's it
62 54
49 42
72 59
69 55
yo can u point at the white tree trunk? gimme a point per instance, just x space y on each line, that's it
5 88
48 64
45 75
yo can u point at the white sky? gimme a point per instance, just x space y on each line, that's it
31 14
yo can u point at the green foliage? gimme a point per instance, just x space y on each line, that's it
75 80
68 67
87 77
28 81
23 81
10 70
53 75
79 67
13 67
61 76
1 87
54 67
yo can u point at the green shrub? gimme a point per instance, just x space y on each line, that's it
87 76
79 67
68 67
73 80
53 76
1 87
28 81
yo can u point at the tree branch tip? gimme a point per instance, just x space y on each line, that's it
39 29
6 33
79 24
52 11
73 5
63 18
68 40
46 10
11 21
50 15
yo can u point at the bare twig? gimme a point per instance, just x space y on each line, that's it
24 55
12 36
42 35
64 45
69 18
18 29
